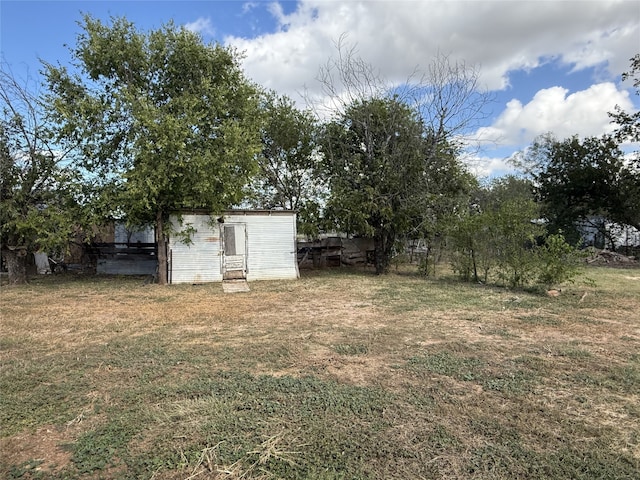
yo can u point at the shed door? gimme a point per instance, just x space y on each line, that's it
234 251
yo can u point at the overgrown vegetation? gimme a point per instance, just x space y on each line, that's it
341 374
501 239
584 182
34 171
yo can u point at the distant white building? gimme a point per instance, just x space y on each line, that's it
601 233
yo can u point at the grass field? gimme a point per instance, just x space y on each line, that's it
339 375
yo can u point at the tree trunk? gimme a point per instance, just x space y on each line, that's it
475 267
162 249
16 265
380 261
382 244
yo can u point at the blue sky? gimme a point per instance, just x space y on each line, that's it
551 65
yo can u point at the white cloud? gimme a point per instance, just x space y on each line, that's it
555 110
486 166
248 6
500 36
202 26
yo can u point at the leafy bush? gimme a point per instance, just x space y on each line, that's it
557 261
501 245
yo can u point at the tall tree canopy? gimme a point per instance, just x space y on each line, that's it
288 162
168 121
391 151
377 163
41 198
581 179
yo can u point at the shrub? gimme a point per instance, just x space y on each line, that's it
557 261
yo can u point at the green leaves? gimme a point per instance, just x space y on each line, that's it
384 172
288 164
559 261
582 178
171 116
164 121
496 236
629 123
40 182
501 238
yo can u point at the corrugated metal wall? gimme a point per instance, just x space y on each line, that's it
199 261
271 247
127 265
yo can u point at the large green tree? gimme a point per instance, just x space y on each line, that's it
578 180
288 162
391 149
167 121
377 163
628 130
41 194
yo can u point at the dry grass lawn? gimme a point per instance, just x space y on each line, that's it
340 375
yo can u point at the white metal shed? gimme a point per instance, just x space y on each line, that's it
239 244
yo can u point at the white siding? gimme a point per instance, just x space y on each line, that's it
271 247
198 261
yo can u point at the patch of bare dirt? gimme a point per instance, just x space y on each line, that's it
41 451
